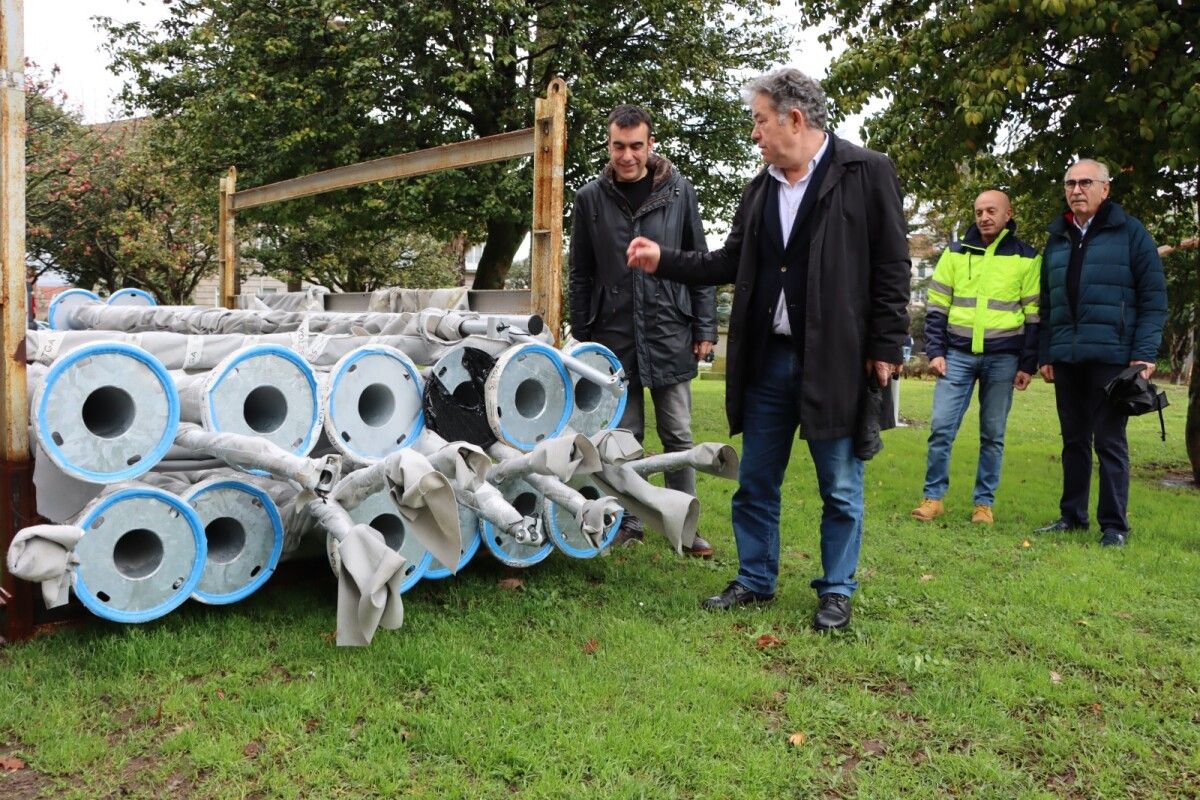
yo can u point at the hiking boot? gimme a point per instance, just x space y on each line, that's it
982 515
700 549
929 510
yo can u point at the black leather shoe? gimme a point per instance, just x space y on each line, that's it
833 612
734 595
1113 539
1060 525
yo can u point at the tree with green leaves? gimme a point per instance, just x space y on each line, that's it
282 88
106 208
1006 93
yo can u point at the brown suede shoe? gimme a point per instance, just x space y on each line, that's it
929 510
982 515
700 549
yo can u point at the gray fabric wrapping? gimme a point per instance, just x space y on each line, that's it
675 514
562 457
201 320
397 299
713 458
425 338
465 464
45 554
488 502
310 299
592 516
369 581
617 446
423 497
250 452
369 574
60 497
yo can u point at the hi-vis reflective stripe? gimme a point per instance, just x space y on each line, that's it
964 302
1033 298
937 286
989 334
1004 305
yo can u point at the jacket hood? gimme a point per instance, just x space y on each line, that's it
656 165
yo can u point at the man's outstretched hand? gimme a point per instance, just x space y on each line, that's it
643 254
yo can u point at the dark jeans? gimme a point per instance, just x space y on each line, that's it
770 422
1088 422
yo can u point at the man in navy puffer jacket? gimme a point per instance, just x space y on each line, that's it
1104 301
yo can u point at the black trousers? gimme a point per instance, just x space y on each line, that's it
1088 423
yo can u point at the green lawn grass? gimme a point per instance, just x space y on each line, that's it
983 662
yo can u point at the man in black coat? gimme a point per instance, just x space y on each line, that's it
658 328
818 251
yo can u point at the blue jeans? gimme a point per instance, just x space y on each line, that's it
771 416
995 373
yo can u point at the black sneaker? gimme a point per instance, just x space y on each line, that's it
1113 539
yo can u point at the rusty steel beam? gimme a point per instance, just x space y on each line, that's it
16 473
500 147
549 159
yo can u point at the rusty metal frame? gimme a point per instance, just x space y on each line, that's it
546 141
16 472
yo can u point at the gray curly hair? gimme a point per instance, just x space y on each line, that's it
790 88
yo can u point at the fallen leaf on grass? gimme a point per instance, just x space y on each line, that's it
220 694
11 764
511 584
251 750
328 636
1097 708
767 640
870 573
1026 543
1055 677
926 578
1083 622
310 725
590 646
797 739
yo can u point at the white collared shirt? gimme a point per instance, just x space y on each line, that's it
790 198
1084 227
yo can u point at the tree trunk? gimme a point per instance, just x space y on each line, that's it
504 237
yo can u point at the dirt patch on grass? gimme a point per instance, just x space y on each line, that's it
22 783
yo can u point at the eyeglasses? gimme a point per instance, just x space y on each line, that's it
1082 183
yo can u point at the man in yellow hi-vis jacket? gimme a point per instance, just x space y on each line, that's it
980 326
